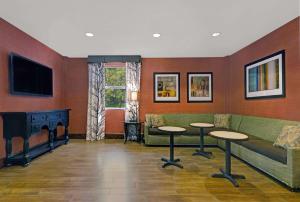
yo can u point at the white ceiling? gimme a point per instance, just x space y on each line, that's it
125 27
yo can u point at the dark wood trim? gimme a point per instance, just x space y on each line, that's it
182 145
282 52
176 101
188 86
77 136
114 136
2 162
82 136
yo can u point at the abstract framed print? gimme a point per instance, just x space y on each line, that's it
200 87
265 78
166 86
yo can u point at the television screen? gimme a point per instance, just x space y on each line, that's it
28 77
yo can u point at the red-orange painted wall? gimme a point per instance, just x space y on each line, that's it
183 65
286 37
76 87
76 92
14 40
76 98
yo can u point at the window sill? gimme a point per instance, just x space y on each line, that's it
114 108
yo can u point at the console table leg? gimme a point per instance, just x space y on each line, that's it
8 149
51 137
26 159
55 134
66 135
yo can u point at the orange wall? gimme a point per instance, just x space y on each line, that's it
183 65
76 98
14 40
76 90
286 37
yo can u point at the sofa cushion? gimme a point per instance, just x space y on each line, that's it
154 120
265 148
264 128
289 137
154 131
235 122
184 120
196 131
190 131
222 120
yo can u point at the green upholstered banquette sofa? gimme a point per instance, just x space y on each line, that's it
258 151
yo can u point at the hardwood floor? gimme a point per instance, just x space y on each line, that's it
112 171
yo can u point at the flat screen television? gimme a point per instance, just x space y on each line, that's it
29 78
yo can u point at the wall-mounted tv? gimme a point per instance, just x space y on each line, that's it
30 78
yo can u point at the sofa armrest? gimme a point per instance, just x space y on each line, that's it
293 162
146 133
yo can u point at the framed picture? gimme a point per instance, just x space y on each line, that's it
200 86
265 78
166 87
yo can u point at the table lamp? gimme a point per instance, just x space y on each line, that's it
134 99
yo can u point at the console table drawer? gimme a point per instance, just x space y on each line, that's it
36 118
58 116
35 128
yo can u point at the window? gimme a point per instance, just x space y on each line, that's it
115 87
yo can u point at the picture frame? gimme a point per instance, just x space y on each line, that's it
166 87
265 78
199 87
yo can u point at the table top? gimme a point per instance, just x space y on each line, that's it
202 125
227 135
171 129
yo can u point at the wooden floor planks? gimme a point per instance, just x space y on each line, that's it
112 171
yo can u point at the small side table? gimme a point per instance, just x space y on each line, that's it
228 137
132 130
201 151
170 130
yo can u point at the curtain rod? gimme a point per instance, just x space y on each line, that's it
114 58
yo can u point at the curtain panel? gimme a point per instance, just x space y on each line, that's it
133 76
96 102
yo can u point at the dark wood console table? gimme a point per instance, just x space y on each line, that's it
27 124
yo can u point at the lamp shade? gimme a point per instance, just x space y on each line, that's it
134 96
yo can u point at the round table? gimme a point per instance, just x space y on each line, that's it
171 131
228 137
201 151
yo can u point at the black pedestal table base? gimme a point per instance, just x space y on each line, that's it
227 173
200 151
171 161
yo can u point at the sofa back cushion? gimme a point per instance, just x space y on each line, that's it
154 120
222 120
289 137
184 120
235 122
264 128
